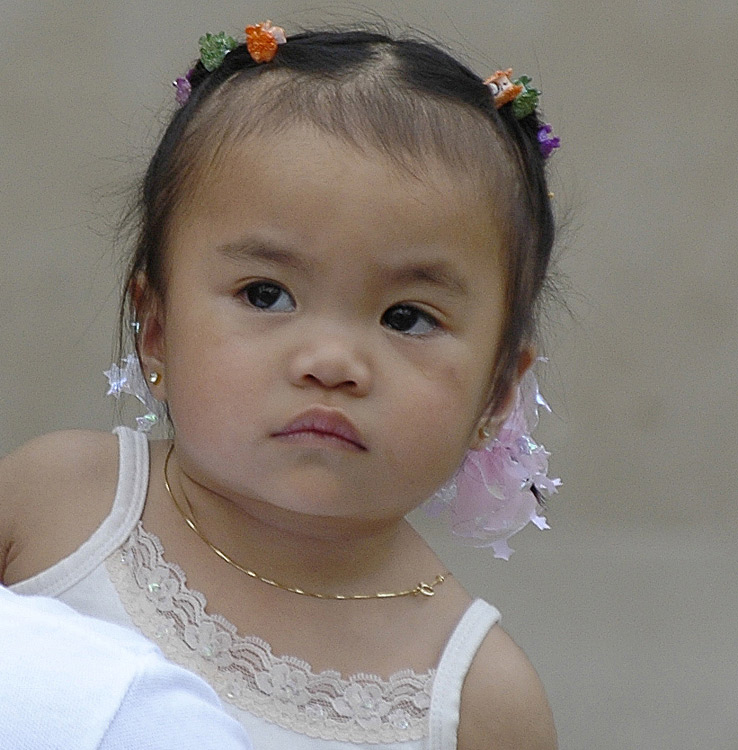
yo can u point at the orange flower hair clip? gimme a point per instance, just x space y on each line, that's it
263 40
503 89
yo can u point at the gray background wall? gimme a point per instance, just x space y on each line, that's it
628 606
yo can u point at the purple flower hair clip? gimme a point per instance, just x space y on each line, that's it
183 88
547 141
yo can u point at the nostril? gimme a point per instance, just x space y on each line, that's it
327 381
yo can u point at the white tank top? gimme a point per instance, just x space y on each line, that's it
120 575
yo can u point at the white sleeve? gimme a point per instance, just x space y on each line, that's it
167 707
69 682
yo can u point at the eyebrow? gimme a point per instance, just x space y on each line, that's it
437 274
252 249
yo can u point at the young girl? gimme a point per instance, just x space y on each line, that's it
343 237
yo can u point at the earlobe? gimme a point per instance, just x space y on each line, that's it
483 435
149 334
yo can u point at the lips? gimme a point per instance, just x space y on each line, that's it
322 425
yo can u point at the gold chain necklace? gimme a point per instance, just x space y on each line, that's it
424 589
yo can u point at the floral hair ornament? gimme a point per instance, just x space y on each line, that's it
547 141
214 48
183 88
500 488
128 378
263 40
503 88
524 99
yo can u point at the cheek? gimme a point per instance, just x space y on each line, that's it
465 384
439 424
206 378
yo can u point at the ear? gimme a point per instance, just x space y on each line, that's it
490 423
149 309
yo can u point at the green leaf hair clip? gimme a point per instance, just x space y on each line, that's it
214 48
526 102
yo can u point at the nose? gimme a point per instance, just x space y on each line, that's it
333 361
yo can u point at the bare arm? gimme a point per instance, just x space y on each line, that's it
503 705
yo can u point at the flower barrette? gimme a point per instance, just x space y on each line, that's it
504 90
214 48
183 88
262 42
547 141
523 96
524 99
501 487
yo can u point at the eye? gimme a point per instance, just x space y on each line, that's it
266 295
410 320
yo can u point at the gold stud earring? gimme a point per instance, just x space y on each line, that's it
154 377
483 433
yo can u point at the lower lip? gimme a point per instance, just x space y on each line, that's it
314 438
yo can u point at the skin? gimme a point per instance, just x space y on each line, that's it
338 283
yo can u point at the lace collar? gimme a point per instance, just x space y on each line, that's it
244 671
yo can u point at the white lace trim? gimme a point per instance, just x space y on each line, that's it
244 671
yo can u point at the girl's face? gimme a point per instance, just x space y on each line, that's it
329 328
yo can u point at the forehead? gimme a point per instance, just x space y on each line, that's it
304 188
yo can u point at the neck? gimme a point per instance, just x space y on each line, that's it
326 554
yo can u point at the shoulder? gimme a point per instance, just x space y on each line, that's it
503 703
65 451
54 491
51 463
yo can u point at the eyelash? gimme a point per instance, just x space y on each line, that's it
408 313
